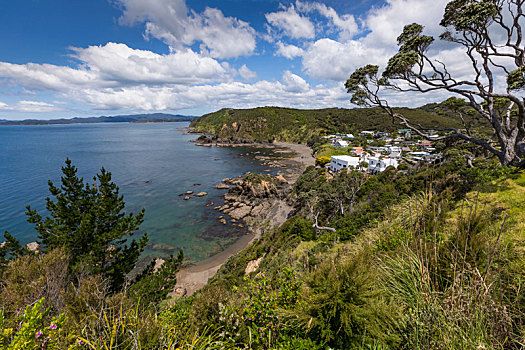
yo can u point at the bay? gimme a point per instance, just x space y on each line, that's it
152 163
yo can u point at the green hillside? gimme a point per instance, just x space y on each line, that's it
295 125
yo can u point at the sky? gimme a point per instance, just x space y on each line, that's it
78 58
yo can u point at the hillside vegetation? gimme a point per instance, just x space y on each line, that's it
429 260
295 125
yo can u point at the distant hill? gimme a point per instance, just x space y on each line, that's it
132 118
296 125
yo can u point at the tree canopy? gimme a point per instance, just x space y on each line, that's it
491 33
90 222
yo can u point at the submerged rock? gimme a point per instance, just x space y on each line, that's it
161 247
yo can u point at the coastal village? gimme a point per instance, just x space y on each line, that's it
375 151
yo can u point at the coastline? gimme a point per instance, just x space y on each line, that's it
193 277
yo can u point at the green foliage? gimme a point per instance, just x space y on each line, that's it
33 332
126 328
322 161
305 126
255 318
299 227
33 277
358 81
342 310
516 79
151 287
10 250
469 15
411 45
89 221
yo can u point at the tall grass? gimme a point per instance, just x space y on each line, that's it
449 280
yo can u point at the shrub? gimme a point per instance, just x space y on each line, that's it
33 332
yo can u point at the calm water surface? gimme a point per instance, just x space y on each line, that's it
151 163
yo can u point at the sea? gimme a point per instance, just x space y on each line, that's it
152 163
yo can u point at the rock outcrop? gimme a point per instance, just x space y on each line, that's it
251 197
253 265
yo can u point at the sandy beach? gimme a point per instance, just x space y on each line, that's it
195 276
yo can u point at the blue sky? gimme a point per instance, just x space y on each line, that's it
75 58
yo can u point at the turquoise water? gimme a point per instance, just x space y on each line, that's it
151 163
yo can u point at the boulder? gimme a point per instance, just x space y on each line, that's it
179 291
281 179
222 221
33 247
187 197
189 192
253 266
241 212
201 194
158 264
222 186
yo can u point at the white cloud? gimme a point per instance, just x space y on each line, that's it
292 91
387 22
288 51
118 62
345 24
291 23
29 107
114 65
172 22
337 59
333 60
246 73
294 83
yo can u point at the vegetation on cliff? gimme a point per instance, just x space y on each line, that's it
295 125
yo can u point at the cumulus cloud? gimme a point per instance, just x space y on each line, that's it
118 62
337 59
288 51
246 73
333 60
293 91
172 22
114 65
345 24
294 83
291 23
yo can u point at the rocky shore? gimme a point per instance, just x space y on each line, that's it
252 200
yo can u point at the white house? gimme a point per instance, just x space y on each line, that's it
377 165
344 162
341 144
349 136
393 149
366 133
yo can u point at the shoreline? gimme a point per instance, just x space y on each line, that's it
193 277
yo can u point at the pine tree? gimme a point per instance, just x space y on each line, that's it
10 249
90 222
